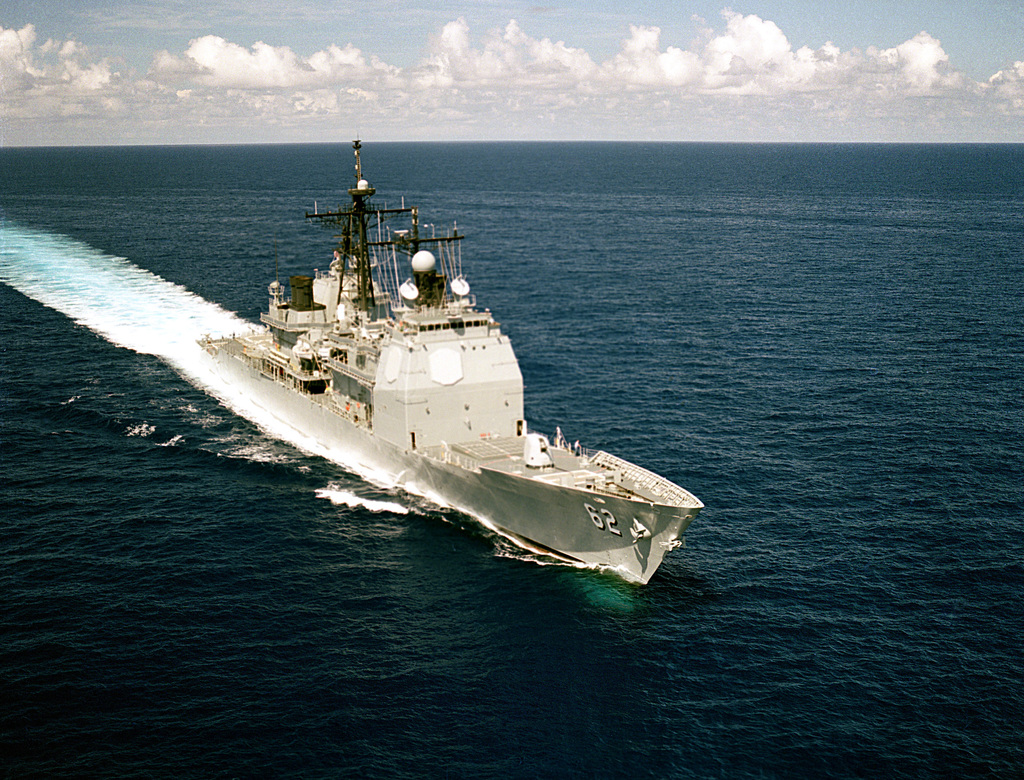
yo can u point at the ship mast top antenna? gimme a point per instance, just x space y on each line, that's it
357 145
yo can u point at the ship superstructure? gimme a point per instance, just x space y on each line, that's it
387 362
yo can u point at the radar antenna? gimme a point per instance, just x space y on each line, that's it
355 234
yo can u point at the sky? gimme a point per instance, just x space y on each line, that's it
84 72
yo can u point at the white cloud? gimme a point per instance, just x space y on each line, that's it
509 60
642 63
215 62
918 67
51 65
225 64
743 81
750 50
53 80
16 65
1011 79
548 63
1008 86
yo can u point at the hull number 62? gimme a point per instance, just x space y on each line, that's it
603 519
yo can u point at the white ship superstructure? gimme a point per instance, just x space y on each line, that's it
387 362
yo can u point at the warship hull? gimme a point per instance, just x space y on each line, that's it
414 384
537 511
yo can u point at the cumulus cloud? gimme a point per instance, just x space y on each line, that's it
214 62
1011 78
642 63
54 66
743 80
750 50
508 58
918 66
54 80
1008 86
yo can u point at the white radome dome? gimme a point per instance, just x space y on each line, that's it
424 260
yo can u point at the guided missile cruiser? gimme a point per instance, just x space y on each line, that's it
387 362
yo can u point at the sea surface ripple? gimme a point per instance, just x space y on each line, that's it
824 343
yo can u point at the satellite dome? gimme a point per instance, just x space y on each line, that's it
460 287
424 261
409 291
363 184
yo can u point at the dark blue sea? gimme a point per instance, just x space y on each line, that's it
822 342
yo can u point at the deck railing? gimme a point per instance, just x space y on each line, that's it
646 481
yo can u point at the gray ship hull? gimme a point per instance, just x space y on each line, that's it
629 535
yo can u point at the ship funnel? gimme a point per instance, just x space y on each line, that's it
302 293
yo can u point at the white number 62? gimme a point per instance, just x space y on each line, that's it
603 519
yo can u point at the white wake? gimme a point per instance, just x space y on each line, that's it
346 498
136 309
127 305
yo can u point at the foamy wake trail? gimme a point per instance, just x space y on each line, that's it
127 305
137 309
346 498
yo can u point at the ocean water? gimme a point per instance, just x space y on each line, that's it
824 343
